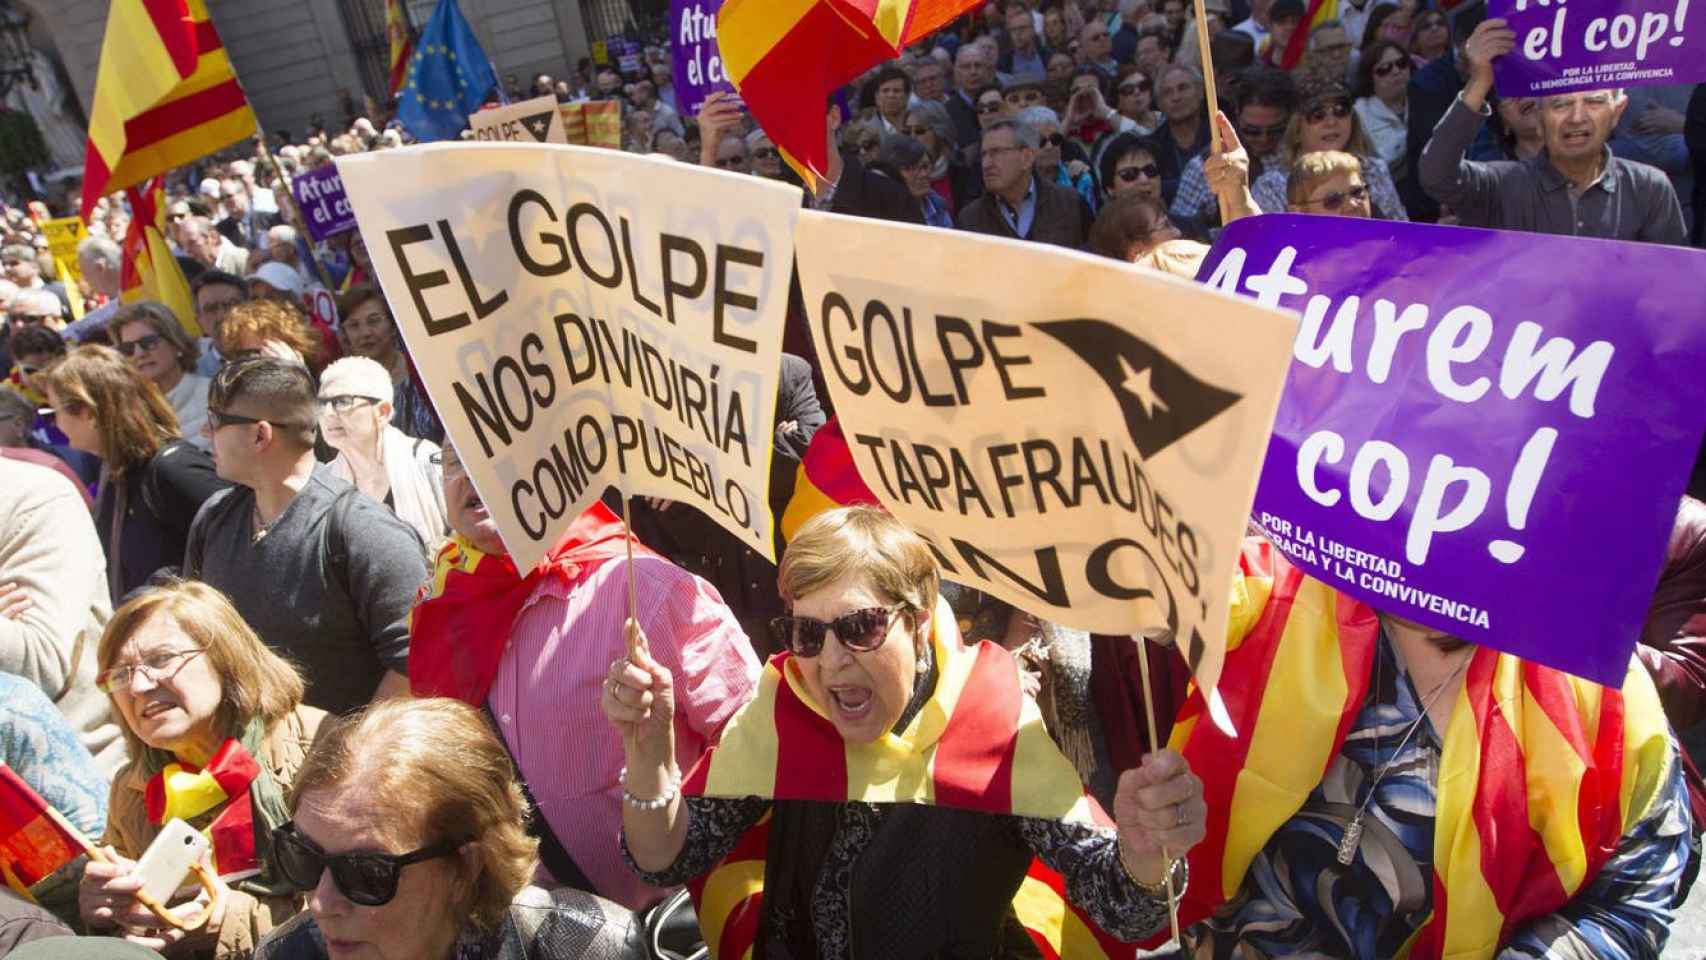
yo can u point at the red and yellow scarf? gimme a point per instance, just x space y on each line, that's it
977 744
186 792
464 613
1541 773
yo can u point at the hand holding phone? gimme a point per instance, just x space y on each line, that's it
166 864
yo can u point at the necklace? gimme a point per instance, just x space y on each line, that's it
261 529
1353 830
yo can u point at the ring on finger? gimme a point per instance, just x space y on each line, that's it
1183 817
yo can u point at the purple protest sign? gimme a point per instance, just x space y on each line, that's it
1597 44
1484 432
325 209
696 67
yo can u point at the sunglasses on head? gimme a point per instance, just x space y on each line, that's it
860 631
1338 108
145 344
366 879
1385 69
1130 174
1337 199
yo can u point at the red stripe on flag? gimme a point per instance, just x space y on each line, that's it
740 929
811 757
176 116
1601 800
95 177
233 834
207 37
974 758
1430 942
400 69
829 466
1293 51
173 23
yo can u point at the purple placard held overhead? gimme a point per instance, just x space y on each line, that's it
320 194
1598 44
696 66
1484 432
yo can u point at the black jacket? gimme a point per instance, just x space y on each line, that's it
161 499
963 113
1062 217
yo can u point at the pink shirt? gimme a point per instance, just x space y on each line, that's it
546 698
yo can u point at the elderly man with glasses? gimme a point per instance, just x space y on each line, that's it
1575 187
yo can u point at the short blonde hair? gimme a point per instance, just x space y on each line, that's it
864 542
458 779
255 683
1313 169
269 318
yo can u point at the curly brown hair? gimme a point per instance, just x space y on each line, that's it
269 318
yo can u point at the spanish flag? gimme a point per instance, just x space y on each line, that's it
787 56
185 792
150 270
825 480
1541 774
165 95
402 44
34 839
978 744
1318 12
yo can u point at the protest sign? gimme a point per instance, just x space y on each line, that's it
63 235
528 121
1072 435
586 318
1487 433
1597 44
325 209
696 65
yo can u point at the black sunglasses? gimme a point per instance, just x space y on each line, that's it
367 879
129 347
1054 140
727 162
1130 174
1339 109
1336 199
1385 69
987 108
1142 87
1253 131
860 631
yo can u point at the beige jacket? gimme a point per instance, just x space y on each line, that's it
246 918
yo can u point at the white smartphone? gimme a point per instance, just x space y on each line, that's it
167 861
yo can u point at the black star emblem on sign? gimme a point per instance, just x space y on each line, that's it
1161 400
538 124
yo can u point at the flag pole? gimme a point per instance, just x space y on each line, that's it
1154 745
295 211
1207 52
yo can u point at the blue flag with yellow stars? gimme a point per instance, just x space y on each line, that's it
449 77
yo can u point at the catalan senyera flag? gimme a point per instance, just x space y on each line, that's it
402 44
1540 776
787 56
150 270
825 480
1317 12
34 839
979 744
165 95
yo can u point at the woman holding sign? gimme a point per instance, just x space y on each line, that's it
1472 804
890 792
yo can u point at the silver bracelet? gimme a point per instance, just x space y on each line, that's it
671 788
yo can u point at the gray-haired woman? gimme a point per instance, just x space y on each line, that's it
952 177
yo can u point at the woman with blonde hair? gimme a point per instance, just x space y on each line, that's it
153 480
274 326
1326 119
408 832
217 731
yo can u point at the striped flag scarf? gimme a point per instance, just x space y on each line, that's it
977 744
1540 776
233 799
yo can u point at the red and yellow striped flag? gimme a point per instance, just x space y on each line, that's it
1540 775
402 44
1318 12
787 56
165 95
34 839
825 480
150 270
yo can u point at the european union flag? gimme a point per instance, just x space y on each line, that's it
449 78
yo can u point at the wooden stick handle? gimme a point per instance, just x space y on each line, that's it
1206 49
1154 745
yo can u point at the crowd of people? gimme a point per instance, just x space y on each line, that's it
247 582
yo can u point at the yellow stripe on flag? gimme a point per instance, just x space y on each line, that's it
749 29
746 757
726 887
890 19
1546 754
1646 744
1473 918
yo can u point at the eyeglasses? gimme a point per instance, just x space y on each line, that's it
730 162
1134 87
1385 69
1339 109
1252 131
918 132
448 461
157 667
860 631
219 307
1054 140
1333 201
765 153
145 344
1131 174
988 108
33 318
29 369
345 402
367 879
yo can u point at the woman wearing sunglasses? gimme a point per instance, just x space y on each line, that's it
216 729
1329 182
149 336
1326 120
408 831
382 461
884 836
153 480
1382 104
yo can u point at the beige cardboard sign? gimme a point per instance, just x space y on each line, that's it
529 121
